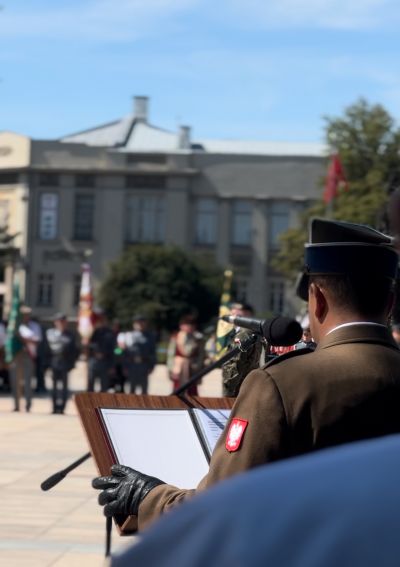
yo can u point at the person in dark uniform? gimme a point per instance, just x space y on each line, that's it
306 340
102 345
63 353
347 389
139 355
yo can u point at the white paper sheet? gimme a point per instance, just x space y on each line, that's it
212 423
160 443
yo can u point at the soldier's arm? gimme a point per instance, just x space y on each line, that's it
259 407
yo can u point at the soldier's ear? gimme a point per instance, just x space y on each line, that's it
318 302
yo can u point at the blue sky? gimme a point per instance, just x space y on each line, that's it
254 69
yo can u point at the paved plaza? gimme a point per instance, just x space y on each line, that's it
63 527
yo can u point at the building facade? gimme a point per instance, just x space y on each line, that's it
91 194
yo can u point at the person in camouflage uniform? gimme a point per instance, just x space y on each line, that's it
235 369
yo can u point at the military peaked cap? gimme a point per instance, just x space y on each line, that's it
338 247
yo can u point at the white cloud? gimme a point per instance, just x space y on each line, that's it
98 20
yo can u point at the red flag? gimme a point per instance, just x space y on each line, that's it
334 179
85 315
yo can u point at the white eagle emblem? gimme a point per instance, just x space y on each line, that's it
235 434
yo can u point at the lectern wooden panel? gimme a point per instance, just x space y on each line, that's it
88 403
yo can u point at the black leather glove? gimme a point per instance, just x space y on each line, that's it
123 490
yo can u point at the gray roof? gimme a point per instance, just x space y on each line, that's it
309 149
132 135
111 134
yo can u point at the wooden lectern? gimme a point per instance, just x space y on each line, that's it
88 404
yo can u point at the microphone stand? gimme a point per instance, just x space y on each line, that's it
60 475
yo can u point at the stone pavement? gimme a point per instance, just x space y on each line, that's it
63 527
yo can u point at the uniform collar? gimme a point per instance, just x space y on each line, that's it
358 332
354 323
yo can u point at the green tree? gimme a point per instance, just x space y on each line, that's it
163 283
9 254
368 143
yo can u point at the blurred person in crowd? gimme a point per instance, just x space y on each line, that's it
118 379
4 373
185 354
63 354
306 340
101 348
210 348
139 355
23 365
338 507
348 389
42 360
236 369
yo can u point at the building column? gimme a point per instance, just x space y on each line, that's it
177 213
258 279
224 233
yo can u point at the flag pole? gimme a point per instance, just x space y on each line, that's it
224 329
85 313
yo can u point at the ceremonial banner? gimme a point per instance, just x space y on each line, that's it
224 329
85 315
334 179
13 344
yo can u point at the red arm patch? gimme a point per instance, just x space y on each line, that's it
235 434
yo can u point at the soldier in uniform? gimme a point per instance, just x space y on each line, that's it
236 369
102 345
63 354
347 389
139 354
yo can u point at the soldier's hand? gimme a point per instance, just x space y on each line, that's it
123 490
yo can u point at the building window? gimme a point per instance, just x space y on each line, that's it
85 180
277 297
8 178
206 221
48 216
145 181
49 179
84 217
241 223
45 290
145 219
278 224
76 289
4 213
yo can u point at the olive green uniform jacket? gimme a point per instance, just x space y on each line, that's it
347 389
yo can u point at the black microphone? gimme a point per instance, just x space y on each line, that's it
278 331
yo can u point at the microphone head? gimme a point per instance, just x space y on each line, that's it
283 331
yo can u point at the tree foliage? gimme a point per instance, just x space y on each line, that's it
8 252
368 143
162 283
